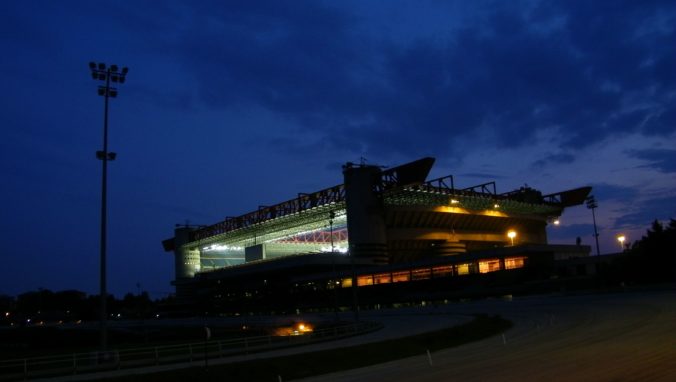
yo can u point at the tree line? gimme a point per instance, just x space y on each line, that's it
651 259
46 306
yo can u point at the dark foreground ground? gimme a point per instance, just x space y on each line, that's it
623 336
599 337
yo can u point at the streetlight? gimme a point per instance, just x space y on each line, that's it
101 72
591 204
511 235
621 238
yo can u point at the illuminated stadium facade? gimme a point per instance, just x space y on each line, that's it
378 228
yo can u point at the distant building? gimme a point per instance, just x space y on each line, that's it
389 230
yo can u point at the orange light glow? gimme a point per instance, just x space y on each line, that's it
297 329
514 262
491 265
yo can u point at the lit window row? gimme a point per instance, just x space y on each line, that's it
482 266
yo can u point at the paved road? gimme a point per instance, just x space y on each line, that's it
614 337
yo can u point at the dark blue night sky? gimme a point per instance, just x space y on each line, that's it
231 105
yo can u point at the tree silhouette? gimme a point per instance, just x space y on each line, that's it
653 257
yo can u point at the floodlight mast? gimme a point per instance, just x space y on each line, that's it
592 205
102 73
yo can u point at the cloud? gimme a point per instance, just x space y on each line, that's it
657 208
481 175
506 76
554 158
590 69
663 160
608 192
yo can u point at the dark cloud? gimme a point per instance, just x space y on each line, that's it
654 209
663 160
510 74
608 192
481 175
626 46
554 158
290 59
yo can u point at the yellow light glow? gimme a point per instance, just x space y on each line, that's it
297 329
511 234
403 276
462 269
493 213
621 238
304 328
557 222
490 265
454 201
453 210
496 205
460 210
514 262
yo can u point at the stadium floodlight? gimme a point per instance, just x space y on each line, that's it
592 205
102 73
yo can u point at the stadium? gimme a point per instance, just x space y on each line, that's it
384 235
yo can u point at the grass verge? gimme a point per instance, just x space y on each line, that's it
332 360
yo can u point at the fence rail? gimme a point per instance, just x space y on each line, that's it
95 361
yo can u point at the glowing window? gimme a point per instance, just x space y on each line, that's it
443 271
383 278
514 262
462 269
365 280
491 265
401 276
346 283
421 274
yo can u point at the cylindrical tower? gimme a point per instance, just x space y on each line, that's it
450 248
186 260
365 221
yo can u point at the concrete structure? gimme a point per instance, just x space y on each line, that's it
377 218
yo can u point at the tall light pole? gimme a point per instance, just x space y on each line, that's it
108 74
591 204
